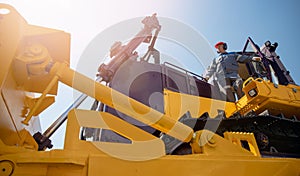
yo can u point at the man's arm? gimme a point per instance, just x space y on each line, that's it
210 70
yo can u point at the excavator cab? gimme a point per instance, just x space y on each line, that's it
254 68
267 64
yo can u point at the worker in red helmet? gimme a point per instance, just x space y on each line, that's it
224 72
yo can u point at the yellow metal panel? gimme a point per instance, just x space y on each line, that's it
191 165
12 106
30 102
77 163
11 29
83 163
51 163
8 130
177 104
237 137
276 99
209 143
144 146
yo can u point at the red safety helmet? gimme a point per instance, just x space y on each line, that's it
221 43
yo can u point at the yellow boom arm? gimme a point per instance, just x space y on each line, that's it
123 103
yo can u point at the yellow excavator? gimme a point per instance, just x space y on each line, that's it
188 129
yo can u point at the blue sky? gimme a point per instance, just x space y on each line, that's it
231 21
